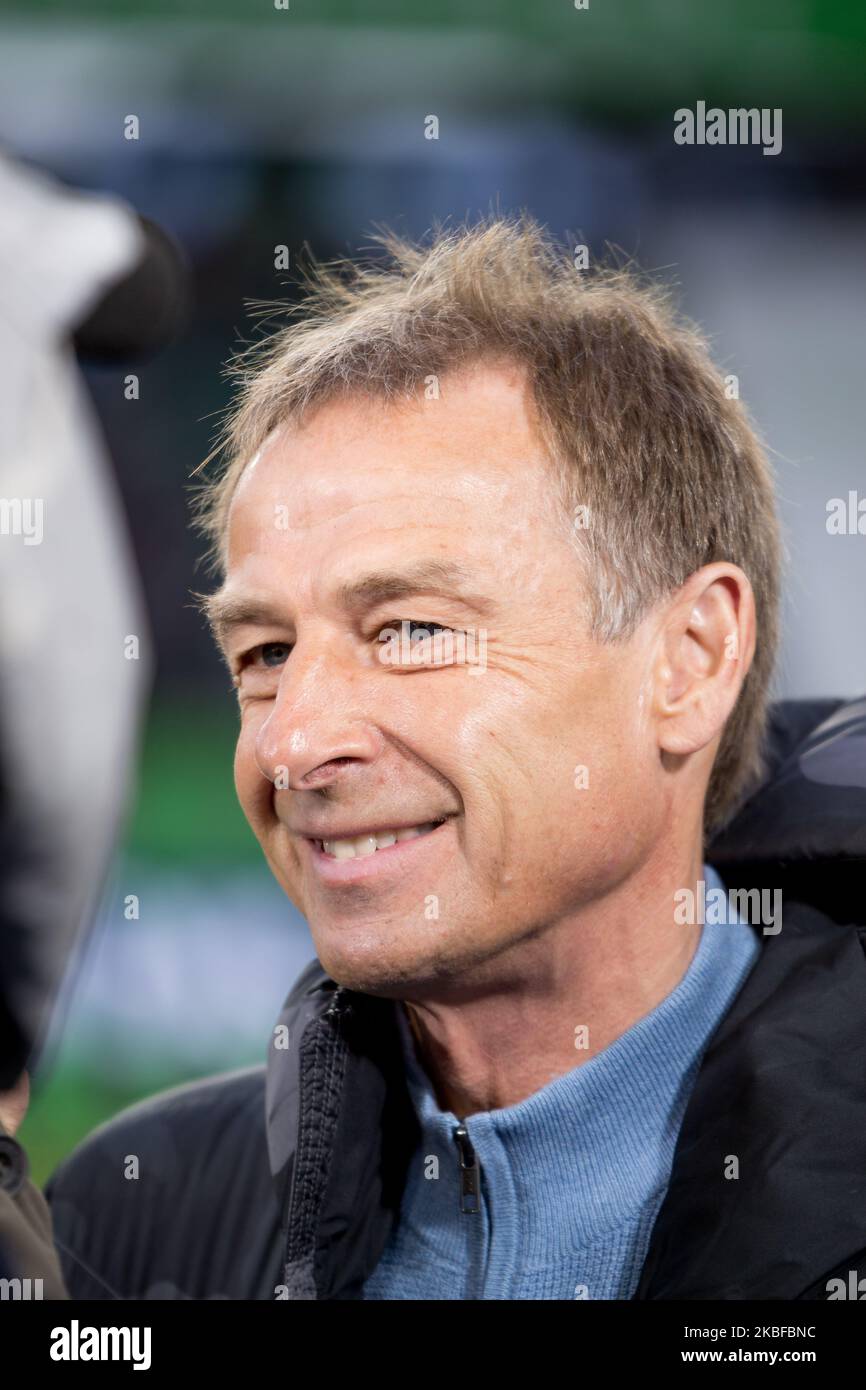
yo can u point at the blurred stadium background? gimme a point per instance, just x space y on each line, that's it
261 127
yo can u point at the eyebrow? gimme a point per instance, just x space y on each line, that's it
445 578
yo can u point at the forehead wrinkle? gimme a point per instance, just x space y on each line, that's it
334 493
226 610
445 577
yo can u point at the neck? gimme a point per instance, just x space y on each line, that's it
560 996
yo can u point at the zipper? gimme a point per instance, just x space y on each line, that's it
302 1209
340 1006
469 1185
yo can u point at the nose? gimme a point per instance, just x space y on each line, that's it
318 727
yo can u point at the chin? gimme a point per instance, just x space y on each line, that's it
361 955
394 966
372 972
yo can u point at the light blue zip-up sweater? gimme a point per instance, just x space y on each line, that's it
572 1178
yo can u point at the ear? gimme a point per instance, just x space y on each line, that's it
707 642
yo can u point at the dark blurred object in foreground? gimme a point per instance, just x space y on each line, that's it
146 310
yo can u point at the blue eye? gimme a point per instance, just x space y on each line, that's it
274 653
413 643
427 629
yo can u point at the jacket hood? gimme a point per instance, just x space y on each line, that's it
804 828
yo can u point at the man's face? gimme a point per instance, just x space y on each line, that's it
345 737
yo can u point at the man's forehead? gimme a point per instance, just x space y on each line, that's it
478 428
329 506
376 498
325 476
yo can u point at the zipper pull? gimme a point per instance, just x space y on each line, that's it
469 1186
340 1006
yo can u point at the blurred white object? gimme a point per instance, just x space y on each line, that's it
69 597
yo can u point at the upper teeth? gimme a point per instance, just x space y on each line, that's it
361 845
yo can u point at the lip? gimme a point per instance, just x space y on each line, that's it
353 832
394 859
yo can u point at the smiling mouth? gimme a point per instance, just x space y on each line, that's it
362 846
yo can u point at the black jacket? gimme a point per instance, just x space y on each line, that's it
284 1180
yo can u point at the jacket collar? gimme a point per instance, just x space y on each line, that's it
341 1131
768 1185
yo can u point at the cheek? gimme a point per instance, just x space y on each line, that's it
590 783
620 788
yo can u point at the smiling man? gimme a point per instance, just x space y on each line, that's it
428 819
478 1088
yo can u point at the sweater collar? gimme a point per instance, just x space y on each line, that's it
626 1100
